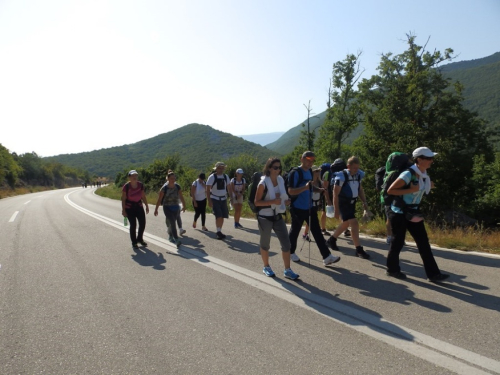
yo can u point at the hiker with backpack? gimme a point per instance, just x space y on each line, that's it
407 190
217 187
318 201
346 192
169 197
329 182
133 195
300 188
199 197
380 175
270 201
238 185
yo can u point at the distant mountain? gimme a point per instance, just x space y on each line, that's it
481 80
262 139
199 147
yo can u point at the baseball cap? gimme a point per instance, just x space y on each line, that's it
239 171
133 171
315 168
309 155
423 151
219 164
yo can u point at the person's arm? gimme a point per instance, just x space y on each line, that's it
145 200
193 192
181 197
398 188
158 202
297 190
362 197
230 187
336 192
124 199
326 184
232 194
209 198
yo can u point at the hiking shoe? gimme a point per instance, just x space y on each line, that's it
238 225
268 271
361 253
289 274
330 259
305 237
347 233
134 245
438 278
332 243
398 275
325 232
388 241
143 243
294 257
182 231
220 236
171 239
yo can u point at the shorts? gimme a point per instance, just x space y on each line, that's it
238 200
279 227
347 208
387 211
219 208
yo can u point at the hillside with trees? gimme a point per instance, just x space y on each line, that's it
198 146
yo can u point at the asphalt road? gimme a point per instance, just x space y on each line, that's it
75 298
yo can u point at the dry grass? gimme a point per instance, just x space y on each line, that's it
5 193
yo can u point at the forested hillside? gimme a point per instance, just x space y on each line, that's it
198 146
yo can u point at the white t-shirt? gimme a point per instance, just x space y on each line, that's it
199 193
218 189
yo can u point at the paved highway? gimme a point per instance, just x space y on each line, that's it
76 299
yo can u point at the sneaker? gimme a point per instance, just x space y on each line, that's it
289 274
220 236
305 237
388 241
330 259
204 229
332 243
239 225
294 257
171 239
194 224
438 278
398 275
178 242
268 271
325 232
347 233
143 243
361 253
134 245
182 231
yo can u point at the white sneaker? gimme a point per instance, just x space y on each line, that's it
330 259
294 257
182 231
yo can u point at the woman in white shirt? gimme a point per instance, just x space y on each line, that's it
271 198
238 184
199 196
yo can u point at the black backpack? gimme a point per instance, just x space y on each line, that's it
379 178
252 188
346 184
217 181
337 166
397 163
287 178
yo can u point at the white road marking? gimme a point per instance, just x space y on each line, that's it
28 202
437 352
13 217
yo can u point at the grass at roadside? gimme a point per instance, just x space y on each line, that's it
467 239
5 193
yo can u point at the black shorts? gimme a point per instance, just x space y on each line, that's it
347 208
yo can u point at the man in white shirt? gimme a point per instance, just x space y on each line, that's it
217 188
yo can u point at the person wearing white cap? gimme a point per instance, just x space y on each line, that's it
238 185
404 215
133 195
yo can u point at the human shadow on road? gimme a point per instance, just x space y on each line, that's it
148 258
343 310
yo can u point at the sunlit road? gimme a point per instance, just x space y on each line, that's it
75 298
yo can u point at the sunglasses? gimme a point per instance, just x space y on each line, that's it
427 157
276 167
310 158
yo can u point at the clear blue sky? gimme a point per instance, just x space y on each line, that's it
83 75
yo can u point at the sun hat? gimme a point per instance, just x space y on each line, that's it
315 168
423 151
219 164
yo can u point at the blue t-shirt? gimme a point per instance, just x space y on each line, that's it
411 198
303 199
354 183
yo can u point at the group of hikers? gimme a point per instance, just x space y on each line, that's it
306 191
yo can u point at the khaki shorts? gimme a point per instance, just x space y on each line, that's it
238 200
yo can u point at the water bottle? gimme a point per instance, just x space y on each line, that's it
125 221
330 212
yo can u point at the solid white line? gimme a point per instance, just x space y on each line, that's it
440 353
13 217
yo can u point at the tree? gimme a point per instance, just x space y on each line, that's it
343 107
408 104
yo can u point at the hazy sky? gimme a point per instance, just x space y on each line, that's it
83 75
